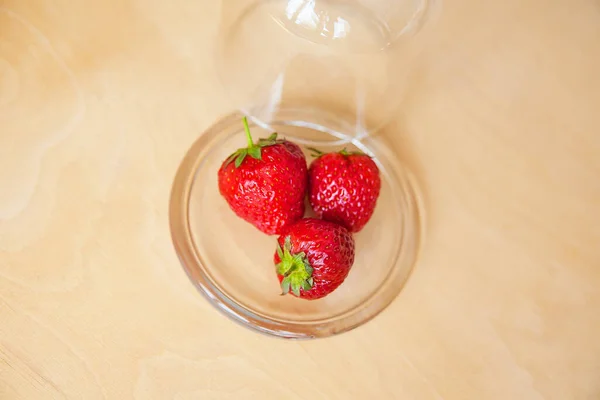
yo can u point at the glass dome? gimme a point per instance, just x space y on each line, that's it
317 60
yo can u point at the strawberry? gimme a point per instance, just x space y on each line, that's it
265 183
313 258
343 187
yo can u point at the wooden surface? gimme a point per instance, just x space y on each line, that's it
100 100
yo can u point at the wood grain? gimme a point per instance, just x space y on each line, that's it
100 100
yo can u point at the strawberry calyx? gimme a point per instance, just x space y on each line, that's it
318 153
253 150
295 269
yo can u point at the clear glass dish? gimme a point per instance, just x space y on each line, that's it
231 262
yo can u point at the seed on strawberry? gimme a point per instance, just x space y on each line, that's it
313 258
343 187
265 183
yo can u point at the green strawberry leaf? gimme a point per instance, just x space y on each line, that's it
296 290
240 158
231 158
309 269
346 153
318 153
271 140
315 152
255 152
285 285
287 244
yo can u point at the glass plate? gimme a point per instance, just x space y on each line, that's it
231 262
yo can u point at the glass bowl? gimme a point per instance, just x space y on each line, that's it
231 262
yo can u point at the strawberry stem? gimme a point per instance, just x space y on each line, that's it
248 134
253 150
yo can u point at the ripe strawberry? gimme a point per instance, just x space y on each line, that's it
343 187
265 183
313 258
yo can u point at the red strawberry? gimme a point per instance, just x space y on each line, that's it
343 187
313 258
265 183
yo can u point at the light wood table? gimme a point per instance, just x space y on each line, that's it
99 100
